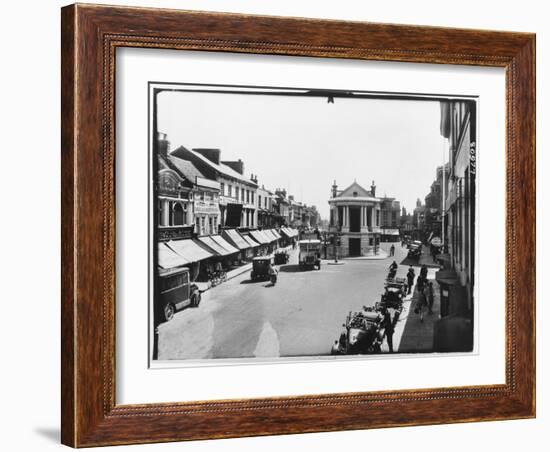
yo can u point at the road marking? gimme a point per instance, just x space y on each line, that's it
268 343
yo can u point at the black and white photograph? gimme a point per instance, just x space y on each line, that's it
310 223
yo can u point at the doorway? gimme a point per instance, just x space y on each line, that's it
354 247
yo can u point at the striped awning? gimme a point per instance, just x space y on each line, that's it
209 242
237 239
168 258
270 235
251 242
221 241
260 237
189 250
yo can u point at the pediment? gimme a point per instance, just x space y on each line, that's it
355 190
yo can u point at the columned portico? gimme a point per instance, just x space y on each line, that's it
359 228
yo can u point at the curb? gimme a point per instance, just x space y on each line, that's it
236 273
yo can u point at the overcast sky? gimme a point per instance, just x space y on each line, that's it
304 144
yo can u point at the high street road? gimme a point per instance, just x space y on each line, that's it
301 315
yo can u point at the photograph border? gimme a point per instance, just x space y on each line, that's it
361 95
90 36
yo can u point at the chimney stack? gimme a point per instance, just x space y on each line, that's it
210 153
163 145
235 165
373 189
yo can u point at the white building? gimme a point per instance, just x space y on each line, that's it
355 215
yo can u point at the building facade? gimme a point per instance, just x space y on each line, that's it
390 211
355 218
175 208
459 117
237 193
458 125
281 207
265 208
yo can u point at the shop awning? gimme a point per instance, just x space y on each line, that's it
270 235
251 242
260 238
213 245
290 233
221 241
237 239
189 250
275 233
168 258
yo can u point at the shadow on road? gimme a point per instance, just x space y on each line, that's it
418 262
293 268
249 281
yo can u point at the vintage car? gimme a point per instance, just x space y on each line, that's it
176 292
362 334
415 250
260 268
391 298
310 253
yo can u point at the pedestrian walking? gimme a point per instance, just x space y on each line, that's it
420 282
424 271
421 301
392 250
410 279
434 252
430 297
389 328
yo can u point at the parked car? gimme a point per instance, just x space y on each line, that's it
175 292
415 249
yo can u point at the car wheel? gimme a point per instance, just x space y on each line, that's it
169 311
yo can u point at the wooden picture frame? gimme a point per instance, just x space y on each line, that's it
90 36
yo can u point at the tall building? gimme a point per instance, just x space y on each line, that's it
355 214
390 211
434 203
458 125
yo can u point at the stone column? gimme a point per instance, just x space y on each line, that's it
165 212
346 216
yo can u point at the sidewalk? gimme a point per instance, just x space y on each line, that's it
204 286
411 335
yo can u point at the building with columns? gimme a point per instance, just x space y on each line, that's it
355 215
